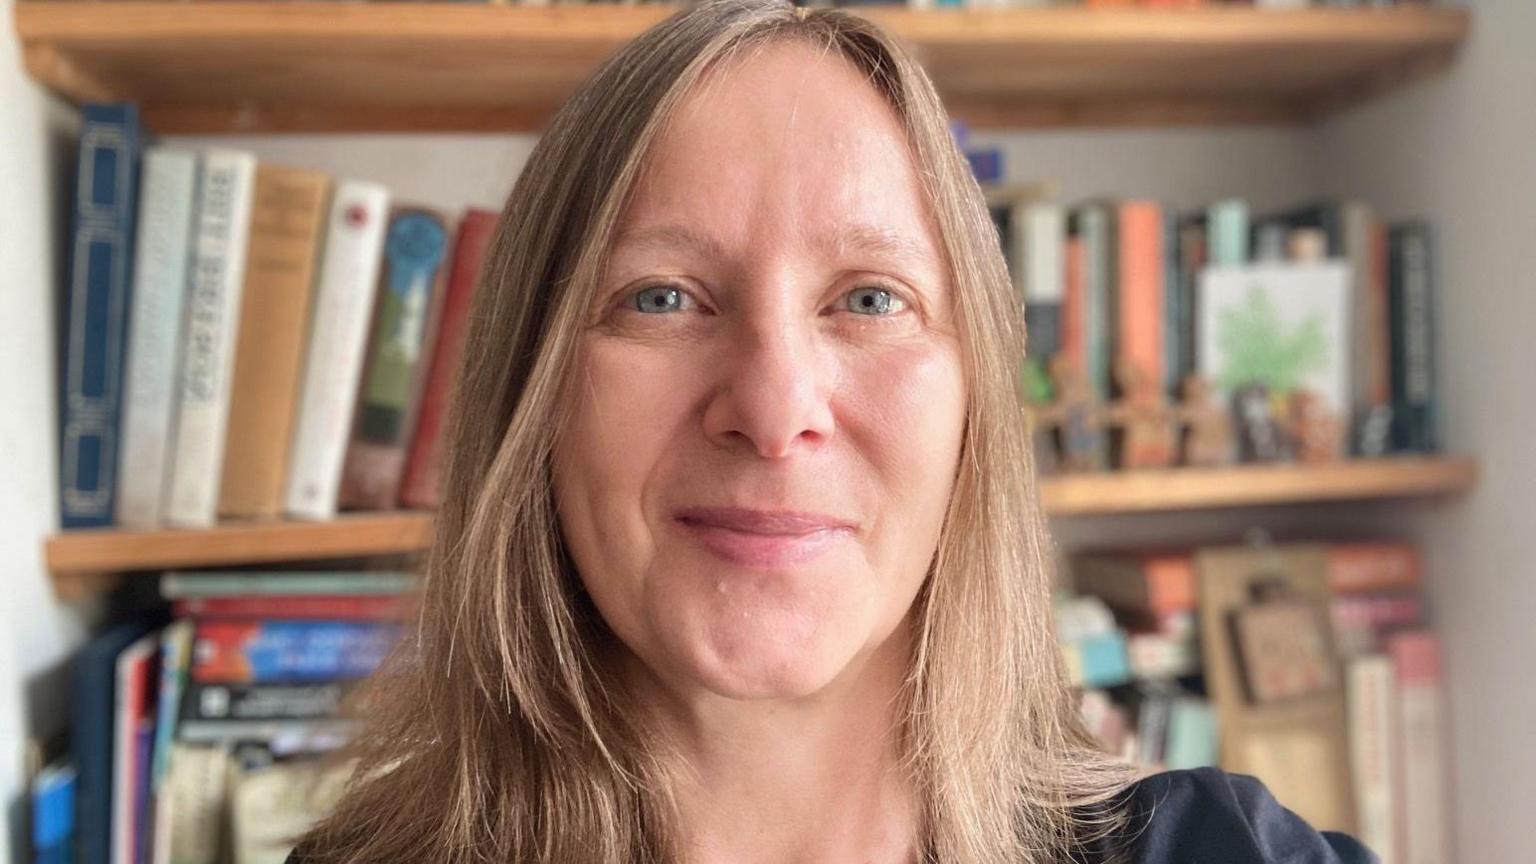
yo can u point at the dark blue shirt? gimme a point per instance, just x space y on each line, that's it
1209 816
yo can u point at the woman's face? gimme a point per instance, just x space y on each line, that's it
770 393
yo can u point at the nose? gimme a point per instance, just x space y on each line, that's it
773 391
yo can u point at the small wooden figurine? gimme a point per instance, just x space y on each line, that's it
1078 421
1316 434
1148 438
1207 427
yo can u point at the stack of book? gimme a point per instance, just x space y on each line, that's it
250 340
1303 653
247 680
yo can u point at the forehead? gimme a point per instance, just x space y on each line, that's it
787 140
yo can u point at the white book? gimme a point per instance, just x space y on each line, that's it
344 301
212 326
167 202
1374 752
1425 782
1040 240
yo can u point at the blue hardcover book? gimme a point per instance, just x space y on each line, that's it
53 815
95 313
93 712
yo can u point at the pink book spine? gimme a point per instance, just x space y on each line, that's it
1425 812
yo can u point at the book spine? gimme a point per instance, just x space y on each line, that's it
1228 241
333 607
420 486
287 216
1371 690
261 702
179 585
1140 307
166 207
344 303
1040 234
1426 800
213 319
1412 305
242 651
403 332
175 656
1193 252
96 305
1357 568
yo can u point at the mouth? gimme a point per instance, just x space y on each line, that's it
763 539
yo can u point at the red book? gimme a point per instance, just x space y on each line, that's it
1359 568
419 489
1074 344
336 607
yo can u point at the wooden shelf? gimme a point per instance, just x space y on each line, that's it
343 66
75 555
1252 485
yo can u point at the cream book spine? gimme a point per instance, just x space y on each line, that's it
344 301
167 206
213 321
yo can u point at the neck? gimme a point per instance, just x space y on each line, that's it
802 781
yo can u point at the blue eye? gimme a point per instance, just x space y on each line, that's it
874 301
659 298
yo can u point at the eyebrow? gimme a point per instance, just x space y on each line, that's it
869 239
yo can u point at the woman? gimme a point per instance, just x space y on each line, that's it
738 558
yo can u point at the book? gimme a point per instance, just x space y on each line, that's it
177 585
1412 304
268 651
175 656
1140 587
410 295
53 814
96 304
190 806
1425 771
133 724
287 220
1141 309
212 325
212 704
1362 567
1039 237
344 300
167 198
419 488
1375 751
333 607
93 735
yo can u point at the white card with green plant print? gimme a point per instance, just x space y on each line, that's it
1284 325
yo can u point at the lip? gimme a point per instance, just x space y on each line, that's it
763 538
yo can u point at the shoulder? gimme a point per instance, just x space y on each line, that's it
1209 815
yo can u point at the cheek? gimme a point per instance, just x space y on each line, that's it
628 417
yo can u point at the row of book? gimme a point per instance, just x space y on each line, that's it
200 733
1313 667
250 340
1325 298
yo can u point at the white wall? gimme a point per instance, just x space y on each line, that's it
1460 150
36 633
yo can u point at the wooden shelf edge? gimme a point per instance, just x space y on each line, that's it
73 554
83 557
64 42
1254 485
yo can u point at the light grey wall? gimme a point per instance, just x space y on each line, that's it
1460 150
36 633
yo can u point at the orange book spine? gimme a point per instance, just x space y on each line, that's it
1141 288
1073 345
1360 568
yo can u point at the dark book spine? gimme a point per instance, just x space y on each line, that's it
261 702
95 314
1412 310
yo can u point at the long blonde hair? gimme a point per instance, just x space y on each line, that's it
500 732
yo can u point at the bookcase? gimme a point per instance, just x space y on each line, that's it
503 69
